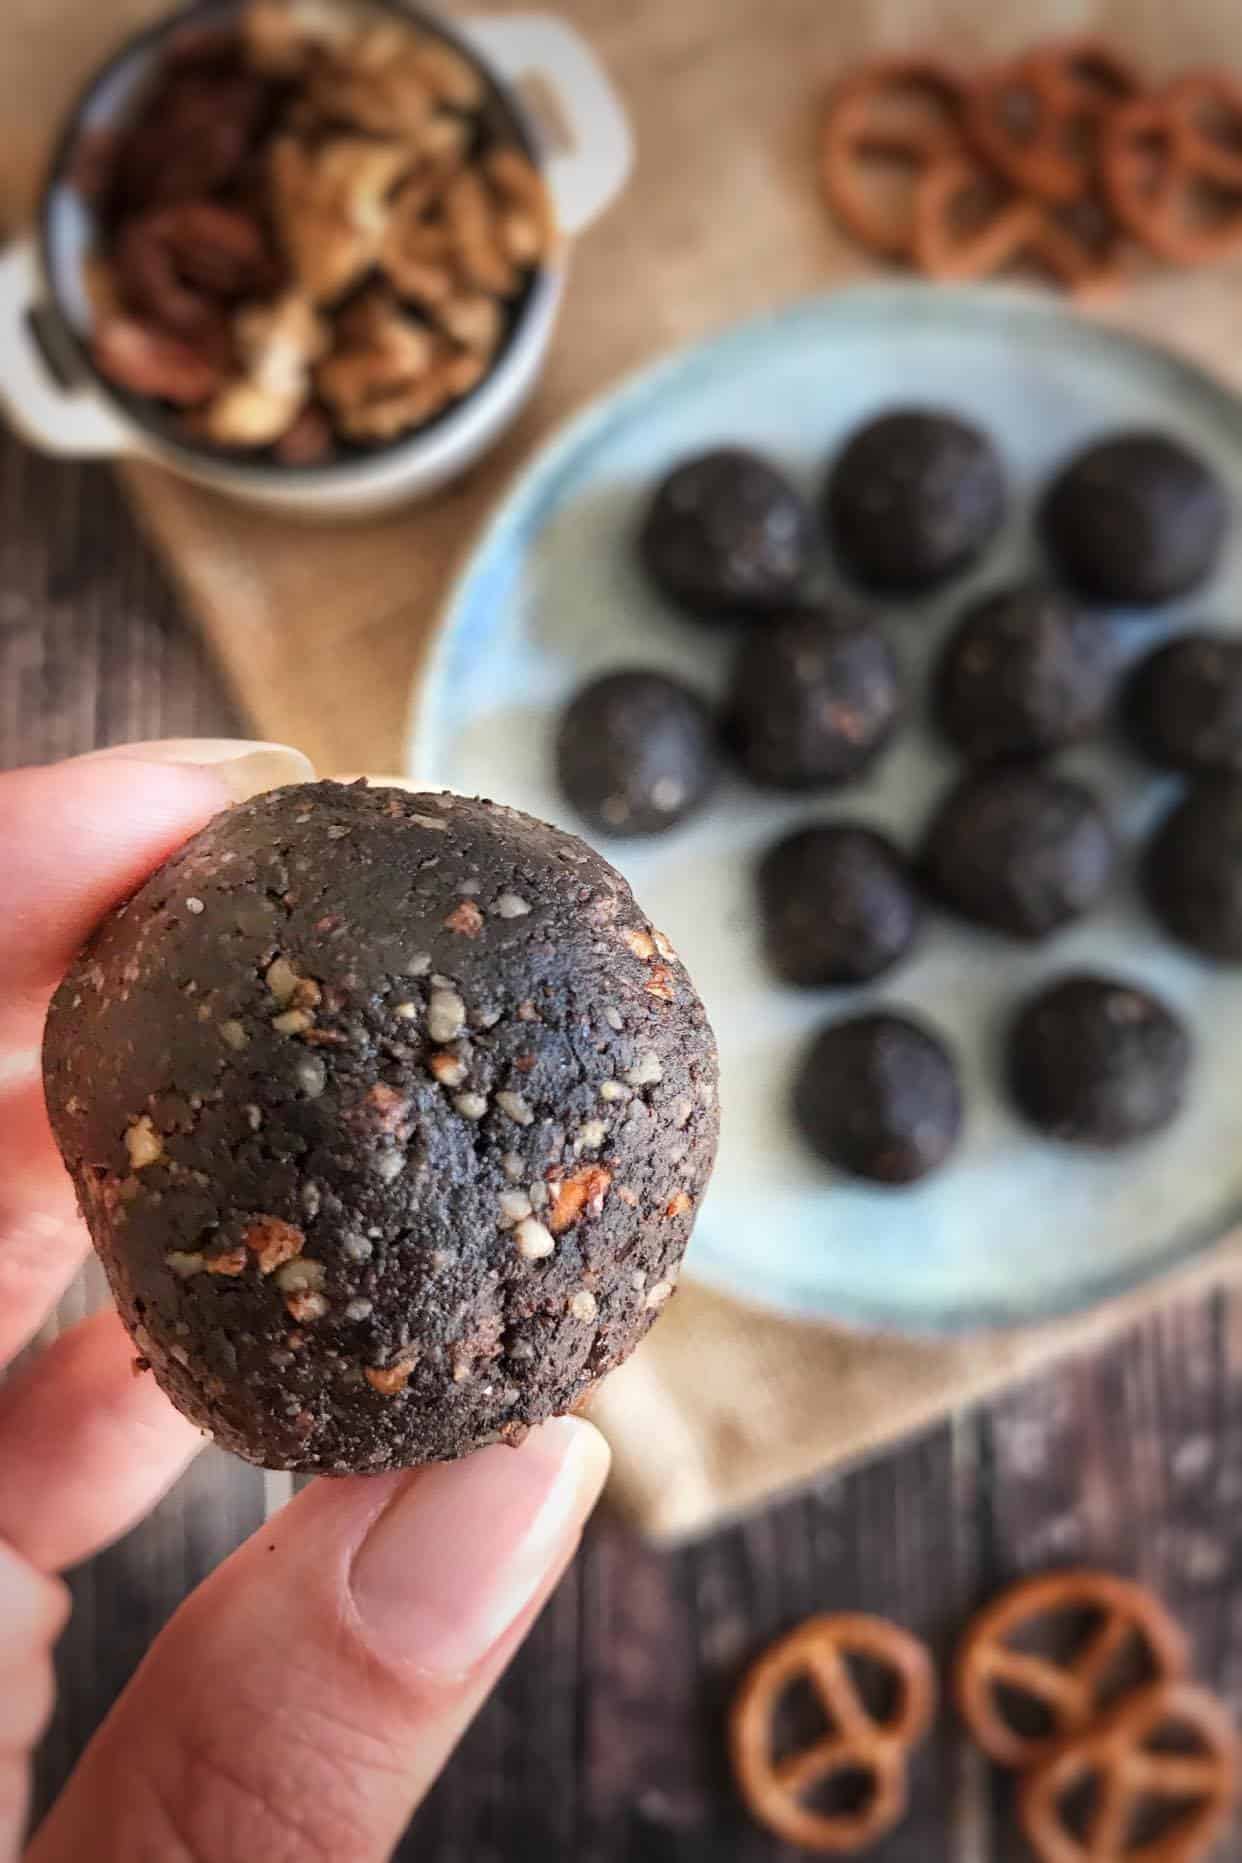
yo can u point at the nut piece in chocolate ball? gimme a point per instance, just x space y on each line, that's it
1136 519
878 1096
1025 672
1182 704
727 536
1021 851
815 696
636 753
838 905
913 498
389 1115
1098 1061
1192 872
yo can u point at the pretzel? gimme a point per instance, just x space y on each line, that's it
856 135
1070 1694
1151 156
948 251
1064 89
1215 157
815 1652
1118 1757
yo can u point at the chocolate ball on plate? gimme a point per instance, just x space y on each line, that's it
838 905
1098 1061
1135 519
389 1115
636 753
1024 672
1022 851
1183 704
1192 871
913 498
726 536
878 1096
815 696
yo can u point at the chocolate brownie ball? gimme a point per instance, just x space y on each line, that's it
838 905
727 536
814 698
636 753
1192 871
389 1115
1183 704
1021 851
1024 672
1098 1061
913 498
878 1096
1135 519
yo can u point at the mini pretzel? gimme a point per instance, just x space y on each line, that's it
947 251
1118 1756
856 134
815 1652
1184 103
1065 88
1070 1694
1153 209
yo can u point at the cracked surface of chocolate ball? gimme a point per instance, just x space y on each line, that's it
1136 519
913 498
1183 704
838 905
727 536
878 1096
390 1115
636 753
1192 870
1024 672
1098 1061
815 696
1020 851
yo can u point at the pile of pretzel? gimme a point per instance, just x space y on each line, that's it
1064 162
1116 1724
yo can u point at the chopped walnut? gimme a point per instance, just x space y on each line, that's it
330 207
272 1241
143 1143
232 1262
389 1380
679 1205
534 1241
581 1194
465 919
306 1306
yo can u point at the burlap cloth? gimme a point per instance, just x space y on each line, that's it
320 633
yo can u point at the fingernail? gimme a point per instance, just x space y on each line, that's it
245 768
464 1547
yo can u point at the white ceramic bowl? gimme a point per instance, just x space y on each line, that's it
41 275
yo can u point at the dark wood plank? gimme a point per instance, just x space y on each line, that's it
1128 1459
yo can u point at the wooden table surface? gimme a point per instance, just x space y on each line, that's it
603 1744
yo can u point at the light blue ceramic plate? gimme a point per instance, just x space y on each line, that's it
1013 1229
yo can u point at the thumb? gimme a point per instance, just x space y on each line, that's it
304 1699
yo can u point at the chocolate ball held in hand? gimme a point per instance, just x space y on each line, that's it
390 1116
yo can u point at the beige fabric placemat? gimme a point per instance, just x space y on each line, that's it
320 632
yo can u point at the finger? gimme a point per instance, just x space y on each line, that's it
42 1237
86 1447
32 1612
74 838
306 1696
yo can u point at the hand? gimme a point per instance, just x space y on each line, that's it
302 1701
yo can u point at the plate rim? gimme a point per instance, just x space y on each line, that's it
519 507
